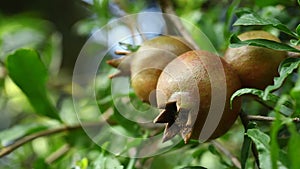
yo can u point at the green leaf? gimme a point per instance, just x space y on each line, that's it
270 100
52 53
276 125
129 47
254 19
106 161
295 42
265 3
28 72
235 42
293 147
286 68
242 11
298 30
83 163
246 146
245 151
295 93
21 31
270 97
261 141
229 16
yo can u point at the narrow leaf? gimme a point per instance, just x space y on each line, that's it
295 93
259 93
254 19
270 100
286 68
298 30
293 147
235 42
229 16
28 72
245 151
246 147
261 141
276 125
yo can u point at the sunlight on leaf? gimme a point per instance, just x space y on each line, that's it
270 97
83 163
254 19
28 72
262 141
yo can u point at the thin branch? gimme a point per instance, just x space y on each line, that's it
58 153
233 159
265 118
167 7
6 150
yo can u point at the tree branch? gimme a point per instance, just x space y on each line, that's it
233 159
265 118
167 7
8 149
57 154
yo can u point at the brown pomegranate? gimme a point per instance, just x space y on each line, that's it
194 92
256 66
146 64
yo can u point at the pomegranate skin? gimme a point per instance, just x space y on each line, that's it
184 92
145 65
256 66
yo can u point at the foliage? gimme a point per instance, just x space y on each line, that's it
36 103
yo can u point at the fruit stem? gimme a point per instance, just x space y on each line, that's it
123 64
121 52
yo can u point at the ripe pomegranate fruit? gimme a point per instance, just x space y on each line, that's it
193 90
146 64
256 66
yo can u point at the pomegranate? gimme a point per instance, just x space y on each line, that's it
191 87
256 66
146 64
